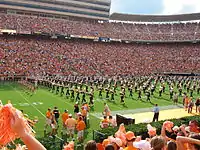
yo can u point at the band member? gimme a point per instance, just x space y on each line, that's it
171 92
67 91
148 96
112 95
57 89
83 97
122 95
72 93
163 87
91 98
100 91
107 93
139 93
62 89
86 88
180 90
130 88
152 89
77 95
160 91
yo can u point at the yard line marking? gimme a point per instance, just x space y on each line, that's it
29 102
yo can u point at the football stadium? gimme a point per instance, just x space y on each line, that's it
74 76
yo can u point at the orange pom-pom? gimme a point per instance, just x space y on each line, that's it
151 130
6 115
168 125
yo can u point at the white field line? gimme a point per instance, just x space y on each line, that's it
29 102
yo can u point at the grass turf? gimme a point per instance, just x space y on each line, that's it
36 104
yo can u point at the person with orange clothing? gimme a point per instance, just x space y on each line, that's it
187 99
78 117
84 114
130 138
194 126
48 118
105 142
100 144
80 128
70 124
104 123
65 116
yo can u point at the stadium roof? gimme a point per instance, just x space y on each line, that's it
155 18
90 9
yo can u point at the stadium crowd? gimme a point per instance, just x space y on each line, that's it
119 30
38 56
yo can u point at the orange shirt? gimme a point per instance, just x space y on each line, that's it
100 146
70 122
65 116
48 114
81 125
187 100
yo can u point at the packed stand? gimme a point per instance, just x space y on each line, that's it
37 56
116 30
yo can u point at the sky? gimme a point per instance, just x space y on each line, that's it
155 7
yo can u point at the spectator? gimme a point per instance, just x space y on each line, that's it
112 121
80 128
49 118
193 142
158 143
70 124
65 116
91 145
56 113
104 123
194 126
130 137
109 147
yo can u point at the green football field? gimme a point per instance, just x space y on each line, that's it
37 104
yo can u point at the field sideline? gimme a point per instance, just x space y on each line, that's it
37 104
